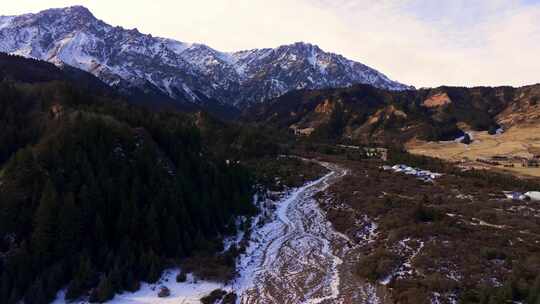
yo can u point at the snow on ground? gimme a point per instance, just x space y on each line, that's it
438 298
189 292
479 222
514 195
533 195
405 269
295 256
368 232
266 242
518 196
234 240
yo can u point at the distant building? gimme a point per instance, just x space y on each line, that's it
301 132
381 153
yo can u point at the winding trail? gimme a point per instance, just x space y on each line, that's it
298 257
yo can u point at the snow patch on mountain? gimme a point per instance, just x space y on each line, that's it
127 57
5 21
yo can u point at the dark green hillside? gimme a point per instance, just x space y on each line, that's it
96 193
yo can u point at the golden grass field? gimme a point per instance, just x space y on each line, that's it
522 141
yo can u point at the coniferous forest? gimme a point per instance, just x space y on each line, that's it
97 195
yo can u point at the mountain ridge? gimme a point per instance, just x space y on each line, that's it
185 72
366 114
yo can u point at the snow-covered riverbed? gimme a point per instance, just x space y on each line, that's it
297 256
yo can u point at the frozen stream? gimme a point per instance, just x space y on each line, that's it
297 257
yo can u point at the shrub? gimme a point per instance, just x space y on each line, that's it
492 130
181 277
164 292
230 298
466 139
493 253
214 297
378 265
426 214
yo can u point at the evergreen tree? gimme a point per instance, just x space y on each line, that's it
172 236
37 294
151 228
45 220
534 292
101 184
100 233
5 286
130 282
104 290
69 226
83 278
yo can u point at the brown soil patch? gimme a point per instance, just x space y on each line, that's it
453 230
437 100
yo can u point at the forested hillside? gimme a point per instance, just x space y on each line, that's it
97 195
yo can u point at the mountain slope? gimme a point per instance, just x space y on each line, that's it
184 72
98 193
364 113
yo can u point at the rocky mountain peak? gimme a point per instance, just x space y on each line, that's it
183 72
73 15
77 10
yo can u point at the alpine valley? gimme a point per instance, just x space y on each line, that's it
137 169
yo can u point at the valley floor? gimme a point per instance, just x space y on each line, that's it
454 239
362 234
508 149
298 257
293 255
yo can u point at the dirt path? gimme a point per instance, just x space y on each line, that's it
298 257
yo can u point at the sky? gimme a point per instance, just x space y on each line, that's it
417 42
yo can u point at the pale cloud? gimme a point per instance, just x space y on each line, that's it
419 42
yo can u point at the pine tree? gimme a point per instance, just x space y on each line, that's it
87 211
534 292
69 227
123 223
83 278
172 236
130 283
104 290
155 269
45 220
37 294
151 229
99 244
99 231
115 276
15 295
187 242
5 286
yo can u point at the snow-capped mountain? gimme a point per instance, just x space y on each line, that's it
185 72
